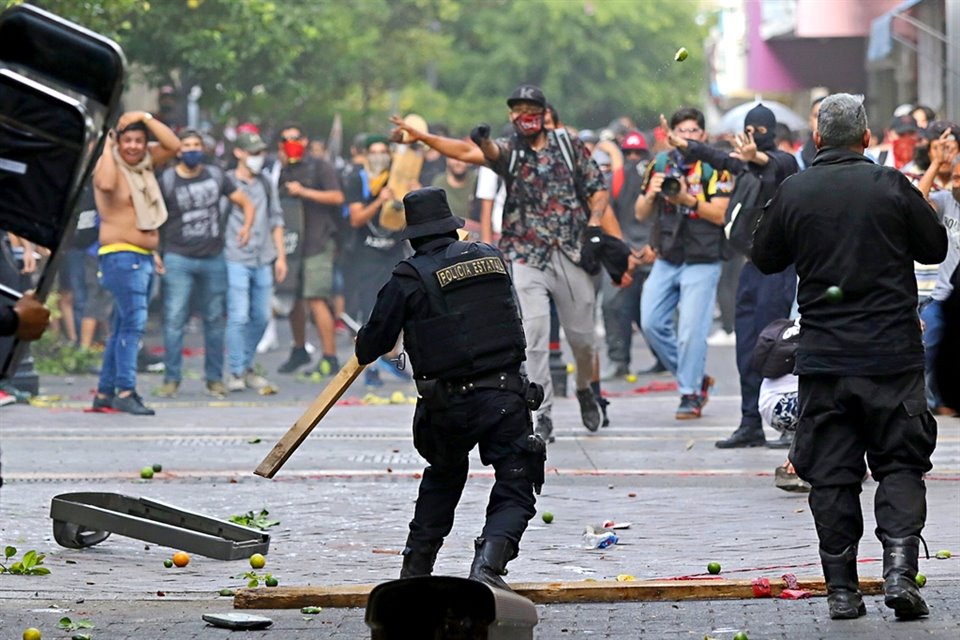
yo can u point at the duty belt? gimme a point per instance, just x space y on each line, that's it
506 381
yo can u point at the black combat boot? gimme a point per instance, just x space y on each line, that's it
419 561
490 561
843 586
900 565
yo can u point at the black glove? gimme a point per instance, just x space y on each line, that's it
480 133
590 250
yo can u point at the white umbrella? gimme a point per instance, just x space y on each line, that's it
732 121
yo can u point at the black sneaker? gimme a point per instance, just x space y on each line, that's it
603 402
103 404
298 358
132 404
544 428
742 438
691 406
705 386
328 366
783 442
589 409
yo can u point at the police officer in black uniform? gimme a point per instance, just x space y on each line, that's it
854 229
455 303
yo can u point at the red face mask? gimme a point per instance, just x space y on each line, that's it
903 150
294 149
529 124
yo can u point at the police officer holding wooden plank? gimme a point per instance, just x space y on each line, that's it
455 304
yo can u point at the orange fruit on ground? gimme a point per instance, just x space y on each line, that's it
181 559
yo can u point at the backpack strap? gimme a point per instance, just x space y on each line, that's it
566 148
166 182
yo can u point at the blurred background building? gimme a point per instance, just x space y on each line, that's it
892 51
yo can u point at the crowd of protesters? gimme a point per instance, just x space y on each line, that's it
265 223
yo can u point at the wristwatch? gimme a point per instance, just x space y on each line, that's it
147 116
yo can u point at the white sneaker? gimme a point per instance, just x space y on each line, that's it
254 381
236 383
269 340
721 338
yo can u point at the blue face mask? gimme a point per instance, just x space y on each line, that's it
191 158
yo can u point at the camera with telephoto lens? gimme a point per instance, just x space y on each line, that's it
671 181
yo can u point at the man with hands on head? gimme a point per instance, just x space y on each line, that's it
551 214
131 209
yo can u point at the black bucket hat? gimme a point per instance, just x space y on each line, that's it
428 214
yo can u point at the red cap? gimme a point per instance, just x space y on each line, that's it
248 127
634 142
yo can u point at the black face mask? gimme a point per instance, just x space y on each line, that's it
921 156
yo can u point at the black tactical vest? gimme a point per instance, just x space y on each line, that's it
473 323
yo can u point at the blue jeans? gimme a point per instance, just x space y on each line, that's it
126 275
248 311
691 289
209 276
72 273
933 328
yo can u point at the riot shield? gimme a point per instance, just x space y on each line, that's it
60 87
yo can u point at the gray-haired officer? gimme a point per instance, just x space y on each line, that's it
455 303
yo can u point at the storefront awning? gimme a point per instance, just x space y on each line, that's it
882 34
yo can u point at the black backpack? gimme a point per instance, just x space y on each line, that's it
776 352
743 212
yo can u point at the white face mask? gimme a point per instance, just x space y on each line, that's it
255 163
379 162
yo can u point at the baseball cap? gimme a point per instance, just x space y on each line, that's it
634 142
527 93
903 124
250 142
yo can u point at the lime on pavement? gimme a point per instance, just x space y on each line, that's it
547 517
31 634
146 473
257 561
713 568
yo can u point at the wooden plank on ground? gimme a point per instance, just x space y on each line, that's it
548 592
295 436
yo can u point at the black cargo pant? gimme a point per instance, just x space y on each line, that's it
499 422
841 419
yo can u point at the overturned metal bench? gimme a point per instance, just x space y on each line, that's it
88 518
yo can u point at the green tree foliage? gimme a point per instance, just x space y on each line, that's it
450 60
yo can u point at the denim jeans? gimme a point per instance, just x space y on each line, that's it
933 329
208 276
691 289
126 275
248 311
72 274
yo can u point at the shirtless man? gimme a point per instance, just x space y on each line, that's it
131 210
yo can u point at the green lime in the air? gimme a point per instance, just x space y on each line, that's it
681 54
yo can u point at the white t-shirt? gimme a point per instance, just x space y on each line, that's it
778 404
949 211
490 187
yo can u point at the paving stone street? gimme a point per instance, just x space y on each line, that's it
344 500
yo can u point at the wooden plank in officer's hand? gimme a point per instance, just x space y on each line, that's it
293 438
